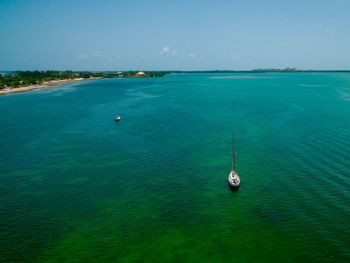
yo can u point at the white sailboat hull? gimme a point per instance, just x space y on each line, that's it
233 179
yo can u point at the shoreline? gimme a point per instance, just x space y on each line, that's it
42 85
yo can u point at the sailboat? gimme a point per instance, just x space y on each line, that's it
233 179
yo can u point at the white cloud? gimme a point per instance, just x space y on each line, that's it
167 51
97 53
191 55
84 56
234 57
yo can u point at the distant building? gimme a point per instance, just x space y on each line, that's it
141 73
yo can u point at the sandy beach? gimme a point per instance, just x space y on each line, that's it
45 84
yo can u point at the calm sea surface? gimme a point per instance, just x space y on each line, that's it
77 187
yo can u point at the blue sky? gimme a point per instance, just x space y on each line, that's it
167 35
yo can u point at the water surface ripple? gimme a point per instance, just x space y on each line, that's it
78 187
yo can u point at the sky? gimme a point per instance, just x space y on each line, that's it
174 35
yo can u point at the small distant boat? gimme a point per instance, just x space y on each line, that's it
233 179
117 118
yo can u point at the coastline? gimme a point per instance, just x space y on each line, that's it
42 85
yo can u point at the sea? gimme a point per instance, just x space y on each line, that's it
76 186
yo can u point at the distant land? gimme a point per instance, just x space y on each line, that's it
262 70
18 81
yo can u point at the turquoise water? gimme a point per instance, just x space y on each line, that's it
77 187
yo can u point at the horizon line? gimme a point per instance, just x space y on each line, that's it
180 70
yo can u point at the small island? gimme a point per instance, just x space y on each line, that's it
19 81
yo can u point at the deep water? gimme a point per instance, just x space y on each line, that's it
75 186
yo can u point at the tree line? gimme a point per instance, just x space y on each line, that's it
26 78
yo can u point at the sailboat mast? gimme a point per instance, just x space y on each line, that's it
233 154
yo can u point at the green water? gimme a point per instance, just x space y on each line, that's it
77 187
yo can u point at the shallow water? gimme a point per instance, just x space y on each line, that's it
76 186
